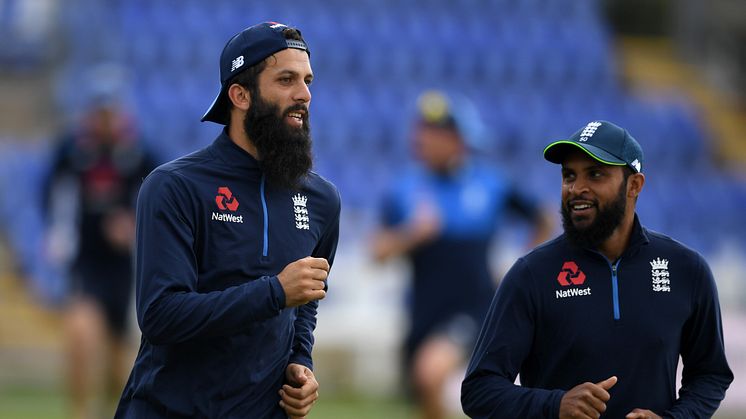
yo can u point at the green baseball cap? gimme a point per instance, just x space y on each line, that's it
602 140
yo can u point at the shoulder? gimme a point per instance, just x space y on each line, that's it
175 174
324 195
557 246
677 250
319 184
188 162
534 263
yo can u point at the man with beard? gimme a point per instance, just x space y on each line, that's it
234 245
596 319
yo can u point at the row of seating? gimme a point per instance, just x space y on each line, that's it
537 70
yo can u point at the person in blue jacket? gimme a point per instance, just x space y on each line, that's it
596 319
442 216
234 244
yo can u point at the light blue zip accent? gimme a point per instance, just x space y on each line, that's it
615 288
266 220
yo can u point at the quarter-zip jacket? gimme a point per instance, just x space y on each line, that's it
564 315
212 235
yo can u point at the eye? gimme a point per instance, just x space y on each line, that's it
595 174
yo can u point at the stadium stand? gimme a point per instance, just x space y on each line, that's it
536 69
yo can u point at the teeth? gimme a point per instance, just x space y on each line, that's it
295 115
581 207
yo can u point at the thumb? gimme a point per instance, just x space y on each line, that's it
608 383
300 375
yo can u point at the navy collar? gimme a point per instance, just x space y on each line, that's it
638 237
231 153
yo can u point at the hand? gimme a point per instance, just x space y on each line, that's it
642 414
425 224
301 393
118 227
586 400
303 280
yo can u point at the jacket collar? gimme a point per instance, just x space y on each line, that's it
231 153
638 237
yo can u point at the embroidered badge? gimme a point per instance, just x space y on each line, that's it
301 212
661 279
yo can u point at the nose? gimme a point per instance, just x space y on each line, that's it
302 93
578 186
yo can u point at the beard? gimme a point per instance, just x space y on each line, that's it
284 151
607 220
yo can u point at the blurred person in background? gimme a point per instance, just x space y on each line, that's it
234 245
96 172
595 320
442 217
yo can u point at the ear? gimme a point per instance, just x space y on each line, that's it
239 96
635 182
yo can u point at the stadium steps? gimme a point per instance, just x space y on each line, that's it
26 105
650 64
30 336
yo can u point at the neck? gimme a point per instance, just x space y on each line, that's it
239 137
617 243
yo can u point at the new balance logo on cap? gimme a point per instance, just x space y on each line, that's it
237 63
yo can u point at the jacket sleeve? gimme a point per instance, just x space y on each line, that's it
169 307
488 391
706 374
305 322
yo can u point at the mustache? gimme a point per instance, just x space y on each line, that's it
297 107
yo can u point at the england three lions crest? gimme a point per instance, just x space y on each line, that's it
301 212
661 279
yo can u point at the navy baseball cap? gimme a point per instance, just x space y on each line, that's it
247 48
602 140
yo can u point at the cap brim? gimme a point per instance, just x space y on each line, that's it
218 110
556 151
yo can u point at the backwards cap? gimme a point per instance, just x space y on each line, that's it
246 49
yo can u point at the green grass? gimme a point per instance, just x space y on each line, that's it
31 403
41 403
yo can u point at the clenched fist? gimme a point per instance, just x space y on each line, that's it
303 280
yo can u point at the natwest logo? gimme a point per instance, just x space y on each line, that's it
226 200
570 273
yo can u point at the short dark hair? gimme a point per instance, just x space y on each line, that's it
249 78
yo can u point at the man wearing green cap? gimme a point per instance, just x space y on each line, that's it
595 320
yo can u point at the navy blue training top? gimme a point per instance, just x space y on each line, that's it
564 315
212 235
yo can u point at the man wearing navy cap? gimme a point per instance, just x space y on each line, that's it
596 319
234 246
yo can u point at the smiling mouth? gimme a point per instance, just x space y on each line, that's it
581 209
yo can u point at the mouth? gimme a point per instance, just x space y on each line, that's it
581 208
295 118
